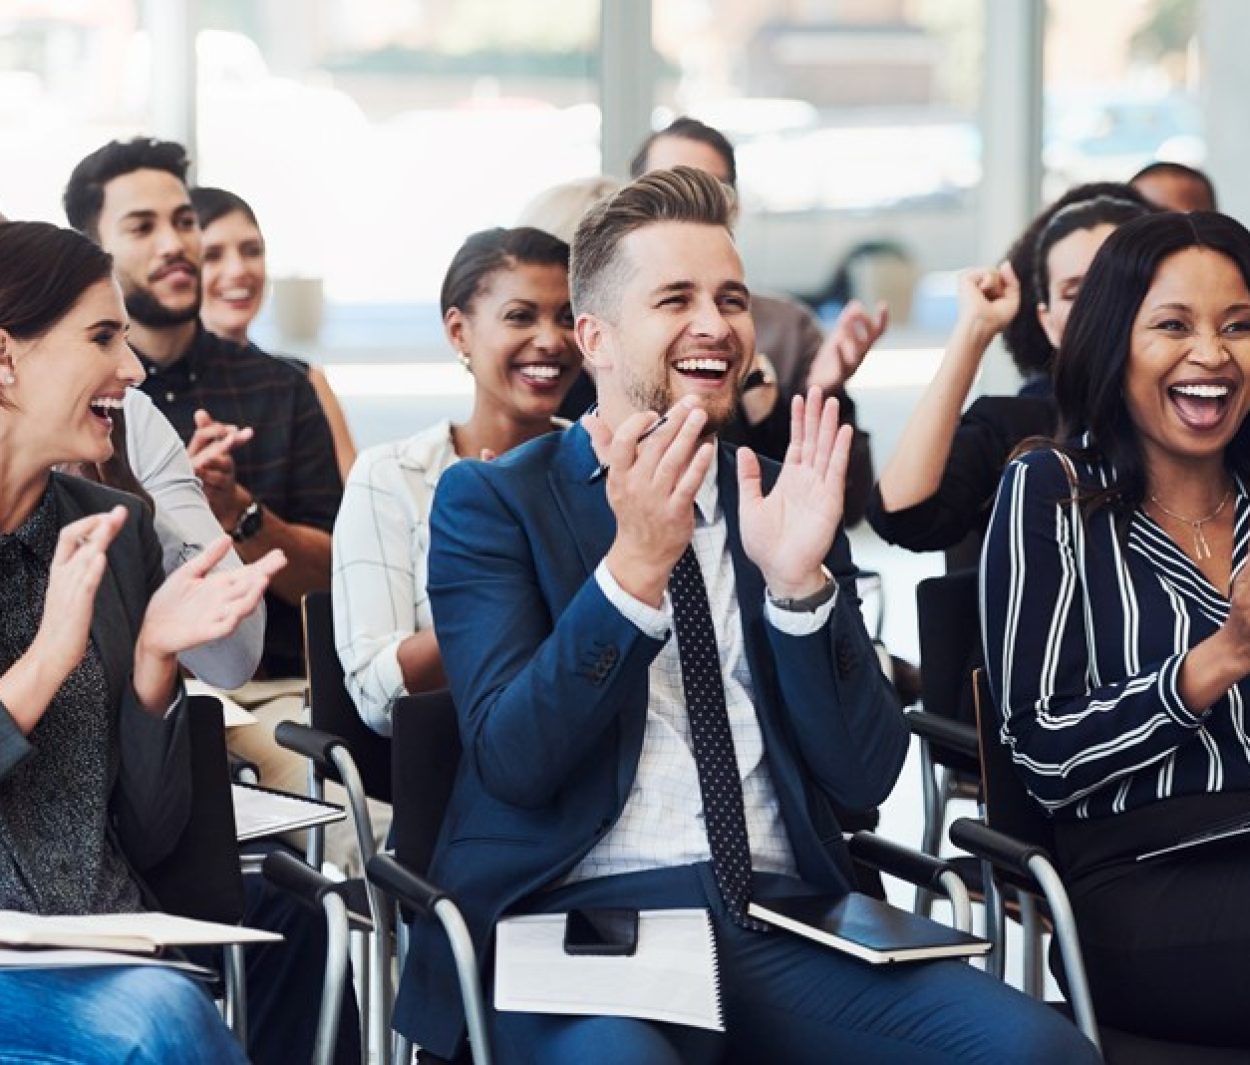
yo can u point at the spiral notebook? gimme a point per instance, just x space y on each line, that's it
672 975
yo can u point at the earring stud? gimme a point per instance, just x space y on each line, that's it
7 378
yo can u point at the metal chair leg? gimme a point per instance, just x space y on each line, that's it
995 923
933 790
236 992
1064 922
336 978
1031 929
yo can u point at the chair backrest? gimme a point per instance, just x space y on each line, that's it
426 751
950 649
331 705
202 877
1009 808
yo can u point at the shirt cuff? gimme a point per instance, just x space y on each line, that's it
649 620
800 622
1170 694
376 684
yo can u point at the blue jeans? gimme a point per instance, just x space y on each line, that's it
141 1015
787 999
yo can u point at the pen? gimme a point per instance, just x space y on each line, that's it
601 470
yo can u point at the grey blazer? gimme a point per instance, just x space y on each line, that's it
150 794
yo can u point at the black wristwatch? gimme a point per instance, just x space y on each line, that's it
250 522
808 604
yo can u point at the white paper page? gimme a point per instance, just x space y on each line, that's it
671 977
259 813
232 713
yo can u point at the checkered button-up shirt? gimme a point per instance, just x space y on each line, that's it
662 823
288 465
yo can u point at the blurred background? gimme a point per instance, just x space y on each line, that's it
373 135
882 144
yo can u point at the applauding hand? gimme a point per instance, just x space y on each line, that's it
788 532
843 351
211 450
651 487
195 606
69 603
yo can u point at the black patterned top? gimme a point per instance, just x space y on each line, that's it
56 855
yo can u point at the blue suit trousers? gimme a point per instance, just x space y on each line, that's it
787 999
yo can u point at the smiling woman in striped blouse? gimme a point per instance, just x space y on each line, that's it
1116 609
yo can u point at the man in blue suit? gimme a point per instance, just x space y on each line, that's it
664 681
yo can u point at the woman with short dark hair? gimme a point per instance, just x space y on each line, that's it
1116 618
508 317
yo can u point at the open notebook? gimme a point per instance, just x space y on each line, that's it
867 928
672 975
133 933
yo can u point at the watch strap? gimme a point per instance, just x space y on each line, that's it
807 604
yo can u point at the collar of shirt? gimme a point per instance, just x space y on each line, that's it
38 533
188 366
707 498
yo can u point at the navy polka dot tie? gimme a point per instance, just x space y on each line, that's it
711 738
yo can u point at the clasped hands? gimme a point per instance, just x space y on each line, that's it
652 484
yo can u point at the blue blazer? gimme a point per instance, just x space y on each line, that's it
551 685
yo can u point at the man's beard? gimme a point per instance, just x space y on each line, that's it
147 310
656 394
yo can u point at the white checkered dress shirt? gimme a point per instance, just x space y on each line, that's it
662 822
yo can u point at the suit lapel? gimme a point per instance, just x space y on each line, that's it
582 503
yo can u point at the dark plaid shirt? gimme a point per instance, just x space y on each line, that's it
288 465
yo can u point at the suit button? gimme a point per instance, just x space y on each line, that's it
845 660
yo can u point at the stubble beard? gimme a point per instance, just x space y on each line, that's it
656 395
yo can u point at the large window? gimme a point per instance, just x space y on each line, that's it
372 136
1121 89
71 77
855 124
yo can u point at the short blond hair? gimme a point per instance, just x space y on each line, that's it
557 210
683 194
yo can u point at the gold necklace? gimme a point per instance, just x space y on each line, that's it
1201 548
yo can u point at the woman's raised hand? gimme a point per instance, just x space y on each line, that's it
69 603
989 299
196 605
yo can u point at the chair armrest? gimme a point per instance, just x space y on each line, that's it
314 744
1000 850
290 873
914 867
286 871
953 735
405 886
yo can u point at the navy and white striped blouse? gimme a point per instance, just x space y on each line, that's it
1084 637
